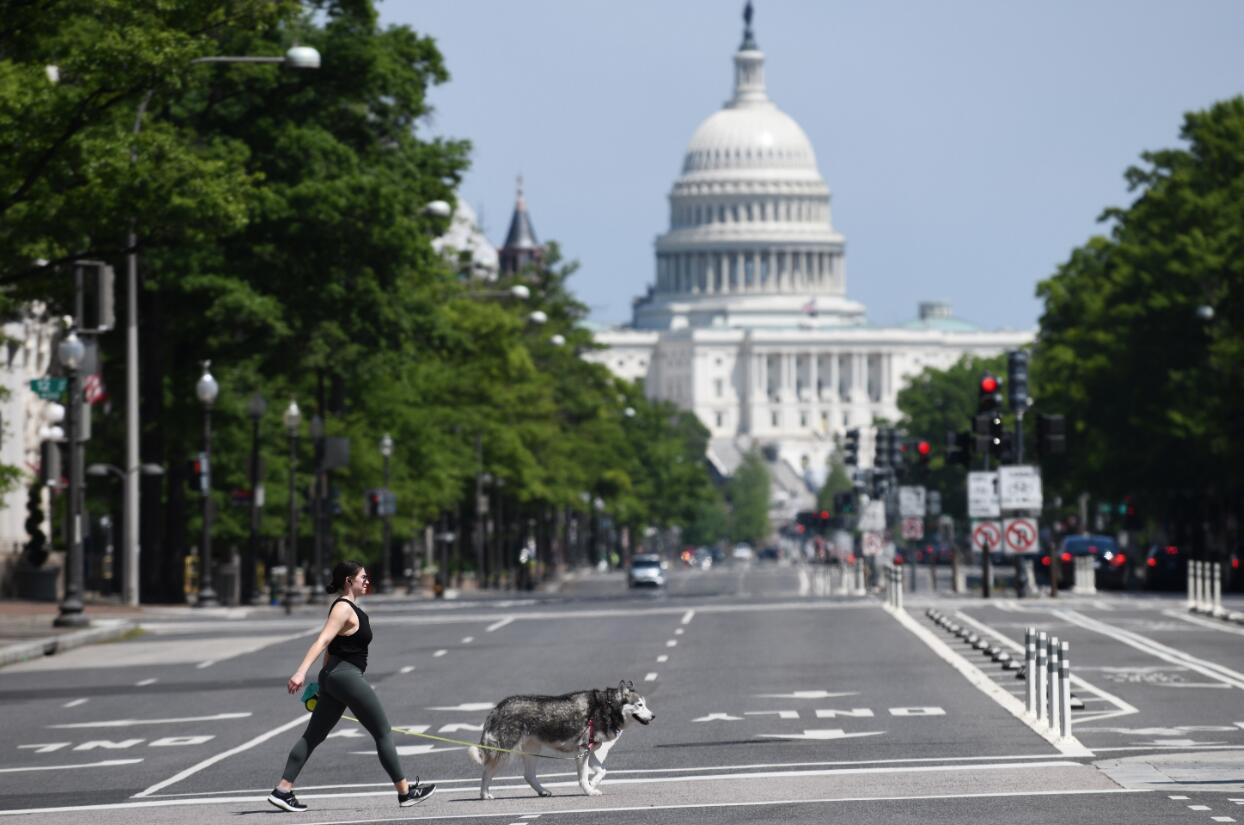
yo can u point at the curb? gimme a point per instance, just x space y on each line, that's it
108 630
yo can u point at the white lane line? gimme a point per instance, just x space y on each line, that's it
250 800
301 719
1197 620
439 653
498 625
74 703
531 816
1177 797
688 616
678 631
107 763
1144 644
145 682
125 723
672 643
1069 746
651 677
203 665
663 658
466 640
1198 807
1222 818
407 669
1122 708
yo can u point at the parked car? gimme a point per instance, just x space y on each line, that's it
769 554
646 571
1109 561
1166 567
742 552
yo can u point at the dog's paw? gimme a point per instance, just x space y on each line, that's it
595 792
545 792
486 796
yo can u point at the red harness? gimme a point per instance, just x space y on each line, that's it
590 743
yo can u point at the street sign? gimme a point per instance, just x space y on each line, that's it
986 533
983 495
913 527
871 543
1019 487
1019 535
49 389
911 502
872 519
933 503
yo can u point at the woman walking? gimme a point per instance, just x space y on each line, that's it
344 640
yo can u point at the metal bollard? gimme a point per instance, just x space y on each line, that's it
1196 584
1054 698
1215 584
1191 584
1064 684
1030 666
1042 653
898 588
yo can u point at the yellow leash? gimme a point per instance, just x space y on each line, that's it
410 732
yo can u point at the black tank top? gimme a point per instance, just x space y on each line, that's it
352 648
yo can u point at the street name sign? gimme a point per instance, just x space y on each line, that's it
1019 487
49 389
1019 535
983 495
986 533
872 519
911 502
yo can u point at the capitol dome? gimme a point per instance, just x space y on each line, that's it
751 240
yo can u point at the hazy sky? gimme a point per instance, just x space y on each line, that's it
968 146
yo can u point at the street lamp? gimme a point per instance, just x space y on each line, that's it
538 316
557 340
386 549
438 209
292 419
297 57
206 389
255 408
70 352
315 595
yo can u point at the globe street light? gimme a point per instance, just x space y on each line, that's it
206 389
292 420
386 554
255 408
297 57
71 352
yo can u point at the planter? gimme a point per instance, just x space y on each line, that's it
37 584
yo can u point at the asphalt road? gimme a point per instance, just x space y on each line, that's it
775 702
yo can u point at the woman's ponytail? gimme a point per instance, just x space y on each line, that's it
342 571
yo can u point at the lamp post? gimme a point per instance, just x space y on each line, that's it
70 352
386 519
292 420
256 408
206 389
315 595
297 57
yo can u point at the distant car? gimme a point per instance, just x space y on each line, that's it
1166 567
742 552
769 554
702 558
1109 561
646 571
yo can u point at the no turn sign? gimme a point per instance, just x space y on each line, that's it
913 528
871 543
986 534
1019 535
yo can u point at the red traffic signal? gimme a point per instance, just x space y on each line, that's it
923 448
989 384
824 515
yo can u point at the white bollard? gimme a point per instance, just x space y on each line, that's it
898 588
1030 665
1196 585
859 577
1191 591
1202 580
1051 683
1042 653
1064 685
1215 592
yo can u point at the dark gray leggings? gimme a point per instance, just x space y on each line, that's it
342 686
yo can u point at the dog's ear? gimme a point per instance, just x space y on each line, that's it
622 686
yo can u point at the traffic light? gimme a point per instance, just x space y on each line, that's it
822 520
958 447
924 451
1051 435
997 435
375 503
851 449
844 504
982 434
989 398
199 479
1017 379
887 449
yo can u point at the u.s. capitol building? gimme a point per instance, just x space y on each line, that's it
748 323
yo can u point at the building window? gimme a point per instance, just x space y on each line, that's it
717 386
720 420
773 419
803 419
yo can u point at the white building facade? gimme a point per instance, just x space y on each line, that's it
748 323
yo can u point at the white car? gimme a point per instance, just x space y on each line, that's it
742 552
646 570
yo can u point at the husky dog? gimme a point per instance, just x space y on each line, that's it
587 723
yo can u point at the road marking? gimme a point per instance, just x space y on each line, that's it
781 714
1069 746
250 800
807 694
678 631
204 665
718 717
107 763
1122 708
453 727
688 616
145 682
1222 818
833 733
74 703
466 640
498 625
1146 645
468 707
212 760
1178 797
125 723
663 658
406 669
1197 620
651 677
439 653
1198 807
672 643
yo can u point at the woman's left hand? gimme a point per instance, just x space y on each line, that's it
296 682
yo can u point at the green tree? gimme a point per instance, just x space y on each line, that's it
838 481
749 492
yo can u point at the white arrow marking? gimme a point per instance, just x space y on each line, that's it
470 707
832 733
409 750
126 723
719 717
460 726
807 694
107 763
781 714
